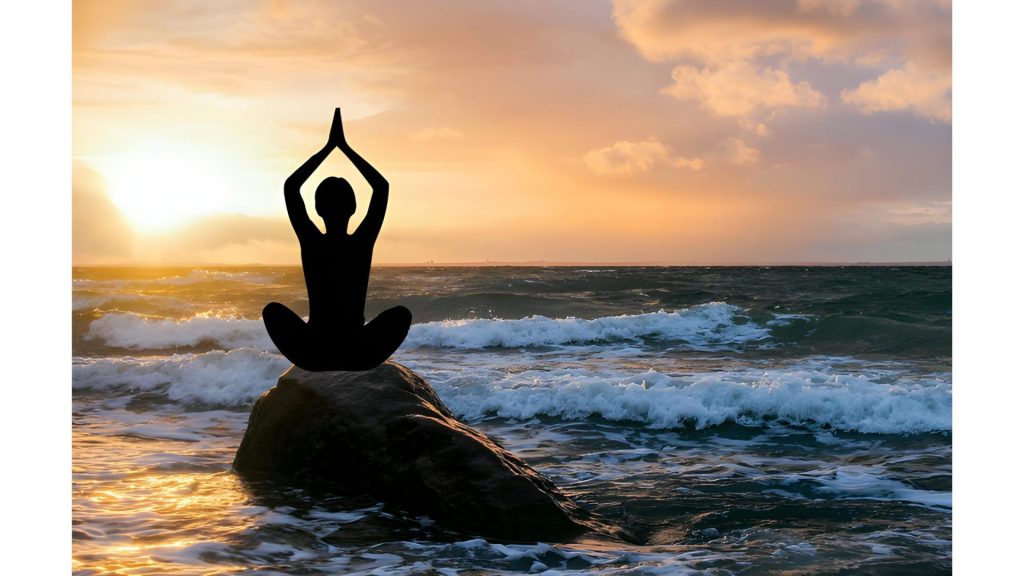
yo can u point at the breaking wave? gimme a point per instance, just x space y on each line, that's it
811 393
141 332
712 324
868 402
703 326
232 378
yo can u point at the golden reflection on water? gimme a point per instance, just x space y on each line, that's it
154 506
153 519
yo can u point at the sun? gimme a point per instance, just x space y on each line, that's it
160 185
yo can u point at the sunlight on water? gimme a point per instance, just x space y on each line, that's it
139 504
739 430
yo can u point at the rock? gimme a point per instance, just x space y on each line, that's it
385 433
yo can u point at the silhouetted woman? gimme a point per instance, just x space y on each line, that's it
336 266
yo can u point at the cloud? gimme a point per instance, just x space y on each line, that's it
625 158
691 163
909 213
528 84
224 239
740 89
99 232
756 128
745 51
226 229
738 152
436 133
722 31
925 93
840 7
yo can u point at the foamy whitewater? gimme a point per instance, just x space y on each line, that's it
738 420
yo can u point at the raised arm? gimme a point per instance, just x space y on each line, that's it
301 223
379 200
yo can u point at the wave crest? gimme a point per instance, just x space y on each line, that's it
870 401
234 378
874 403
140 332
705 325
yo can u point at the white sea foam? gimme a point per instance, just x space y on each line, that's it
141 332
873 483
703 326
712 324
222 378
870 401
556 560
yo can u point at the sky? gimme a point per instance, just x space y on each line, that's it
676 132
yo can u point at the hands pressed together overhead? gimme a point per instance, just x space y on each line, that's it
337 135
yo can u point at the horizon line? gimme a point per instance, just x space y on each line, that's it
544 263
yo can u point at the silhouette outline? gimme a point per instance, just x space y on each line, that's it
336 268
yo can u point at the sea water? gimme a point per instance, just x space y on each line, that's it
779 420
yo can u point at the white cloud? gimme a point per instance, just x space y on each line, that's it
724 31
100 233
691 163
925 93
740 89
756 128
724 45
737 151
625 158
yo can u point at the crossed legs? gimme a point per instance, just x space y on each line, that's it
364 348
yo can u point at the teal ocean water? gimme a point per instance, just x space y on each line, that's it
749 420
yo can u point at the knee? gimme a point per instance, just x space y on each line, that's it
400 315
272 309
403 313
275 311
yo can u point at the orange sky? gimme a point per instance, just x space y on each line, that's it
690 132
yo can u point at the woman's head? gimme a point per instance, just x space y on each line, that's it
335 199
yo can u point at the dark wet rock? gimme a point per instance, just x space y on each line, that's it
385 433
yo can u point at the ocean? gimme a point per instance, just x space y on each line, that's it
737 420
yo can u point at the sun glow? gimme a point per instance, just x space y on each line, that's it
159 185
